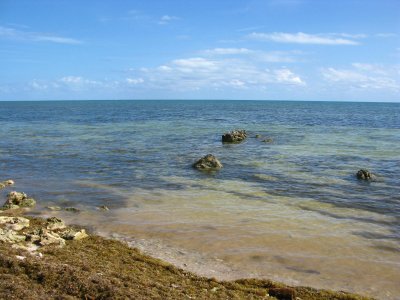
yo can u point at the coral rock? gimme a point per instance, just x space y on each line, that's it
208 163
235 136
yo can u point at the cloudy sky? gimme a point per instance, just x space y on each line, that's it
343 50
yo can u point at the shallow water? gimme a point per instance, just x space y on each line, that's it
290 210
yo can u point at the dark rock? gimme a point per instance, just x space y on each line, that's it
72 209
268 140
17 200
208 163
235 136
364 175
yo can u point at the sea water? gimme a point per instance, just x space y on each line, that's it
290 209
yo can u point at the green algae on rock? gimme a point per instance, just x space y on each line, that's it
208 163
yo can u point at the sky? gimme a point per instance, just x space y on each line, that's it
342 50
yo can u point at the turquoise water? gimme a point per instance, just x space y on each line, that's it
290 210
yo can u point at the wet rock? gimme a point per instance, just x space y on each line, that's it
268 140
72 234
54 208
235 136
72 209
258 136
15 223
103 208
365 175
17 200
11 236
6 183
54 223
208 163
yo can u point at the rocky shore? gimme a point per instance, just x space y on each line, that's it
46 259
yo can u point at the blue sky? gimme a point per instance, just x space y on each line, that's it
186 49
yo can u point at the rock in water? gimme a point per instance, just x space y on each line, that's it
235 136
17 200
208 163
6 183
364 175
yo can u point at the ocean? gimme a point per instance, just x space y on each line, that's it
290 209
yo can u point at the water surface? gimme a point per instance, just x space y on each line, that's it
290 210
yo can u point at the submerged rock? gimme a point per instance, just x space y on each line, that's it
6 183
54 208
365 175
208 163
268 140
15 223
103 208
72 209
235 136
17 200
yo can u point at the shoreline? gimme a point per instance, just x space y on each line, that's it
98 267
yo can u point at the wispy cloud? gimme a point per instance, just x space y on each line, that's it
166 19
301 38
257 55
228 51
364 76
23 35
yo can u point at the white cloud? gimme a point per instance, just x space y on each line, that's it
166 19
12 33
197 64
257 55
287 76
365 76
134 81
301 38
227 51
200 73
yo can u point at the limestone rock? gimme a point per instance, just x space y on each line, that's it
235 136
365 175
208 163
71 234
17 200
6 183
15 223
48 238
11 236
54 223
